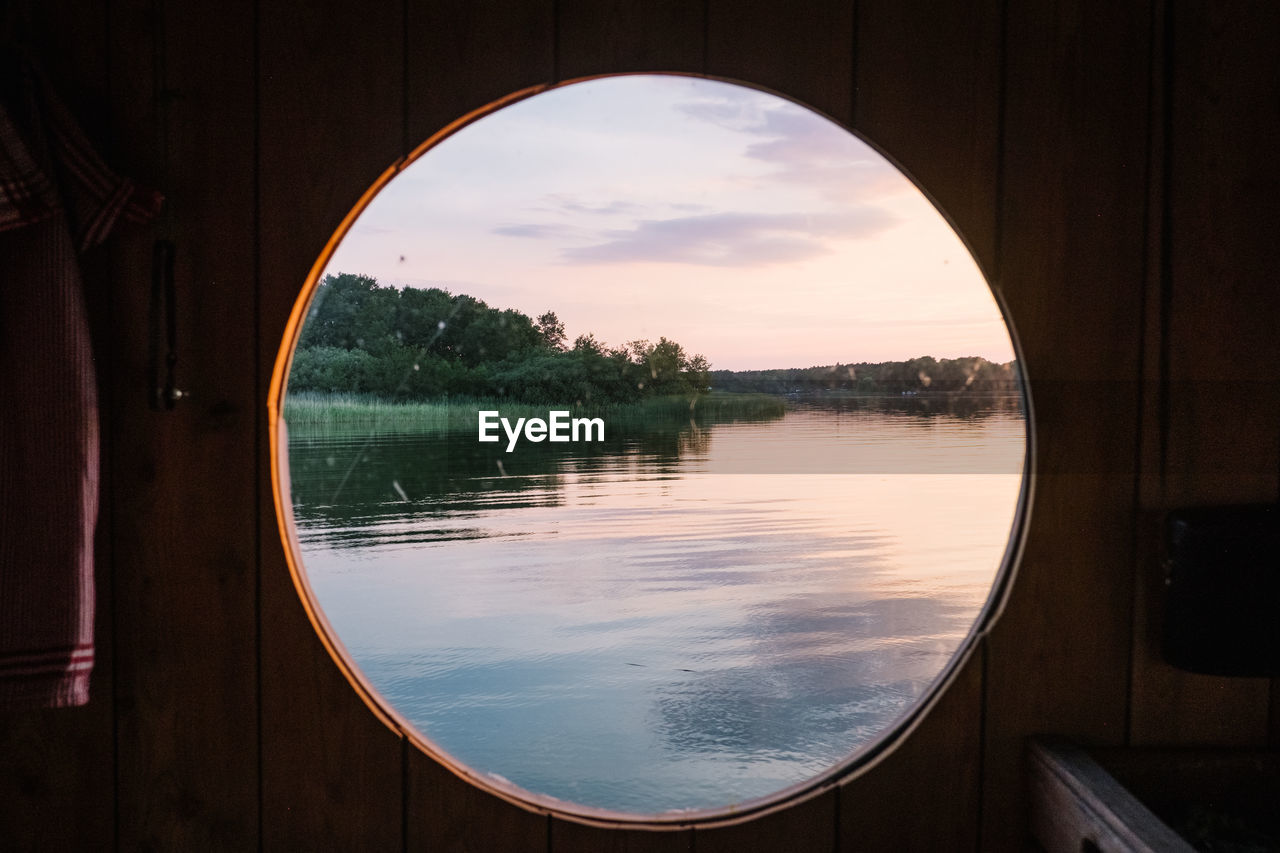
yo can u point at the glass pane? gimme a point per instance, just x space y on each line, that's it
654 444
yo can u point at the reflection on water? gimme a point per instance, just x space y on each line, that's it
684 618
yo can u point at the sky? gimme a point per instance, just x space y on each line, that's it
744 226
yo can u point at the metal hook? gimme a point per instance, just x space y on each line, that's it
164 329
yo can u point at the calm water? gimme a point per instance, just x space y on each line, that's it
688 618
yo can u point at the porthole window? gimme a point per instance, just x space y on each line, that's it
654 447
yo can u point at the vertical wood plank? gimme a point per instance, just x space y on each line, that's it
801 50
330 121
450 814
1072 249
184 481
57 781
927 80
1148 570
465 55
69 39
1273 729
808 825
616 36
1216 339
57 772
927 93
946 750
570 837
1224 199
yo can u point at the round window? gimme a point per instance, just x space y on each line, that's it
654 446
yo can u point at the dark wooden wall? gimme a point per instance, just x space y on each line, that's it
1112 165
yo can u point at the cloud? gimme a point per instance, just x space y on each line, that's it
732 107
536 230
566 203
614 208
732 239
806 148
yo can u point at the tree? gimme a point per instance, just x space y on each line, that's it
697 372
422 316
350 311
588 344
419 343
552 332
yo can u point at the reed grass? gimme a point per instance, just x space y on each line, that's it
311 413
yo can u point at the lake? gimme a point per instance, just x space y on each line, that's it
681 617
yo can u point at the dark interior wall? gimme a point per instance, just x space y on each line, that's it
1111 165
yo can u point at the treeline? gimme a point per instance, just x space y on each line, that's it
924 375
412 343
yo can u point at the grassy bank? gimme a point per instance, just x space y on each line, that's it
311 413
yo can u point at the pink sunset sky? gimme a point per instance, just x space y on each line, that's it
743 226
